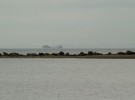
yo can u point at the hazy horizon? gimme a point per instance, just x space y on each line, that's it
95 48
72 23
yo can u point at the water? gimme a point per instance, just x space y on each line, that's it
67 79
71 51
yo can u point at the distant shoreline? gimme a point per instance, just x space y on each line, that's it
90 55
87 57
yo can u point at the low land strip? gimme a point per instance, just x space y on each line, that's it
93 55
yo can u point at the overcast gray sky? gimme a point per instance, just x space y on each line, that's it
71 23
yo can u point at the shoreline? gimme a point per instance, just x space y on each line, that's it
81 57
90 55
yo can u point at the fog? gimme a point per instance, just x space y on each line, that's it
71 23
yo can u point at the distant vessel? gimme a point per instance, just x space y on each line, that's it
50 47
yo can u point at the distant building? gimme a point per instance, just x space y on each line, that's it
49 47
46 46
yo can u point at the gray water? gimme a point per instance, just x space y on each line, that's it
71 51
67 79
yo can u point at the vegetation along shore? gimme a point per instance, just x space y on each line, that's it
120 55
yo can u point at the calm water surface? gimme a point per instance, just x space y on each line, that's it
67 79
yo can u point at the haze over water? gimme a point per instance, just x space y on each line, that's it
72 24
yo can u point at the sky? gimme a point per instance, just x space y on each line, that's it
70 23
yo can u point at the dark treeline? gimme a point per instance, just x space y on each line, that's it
90 53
